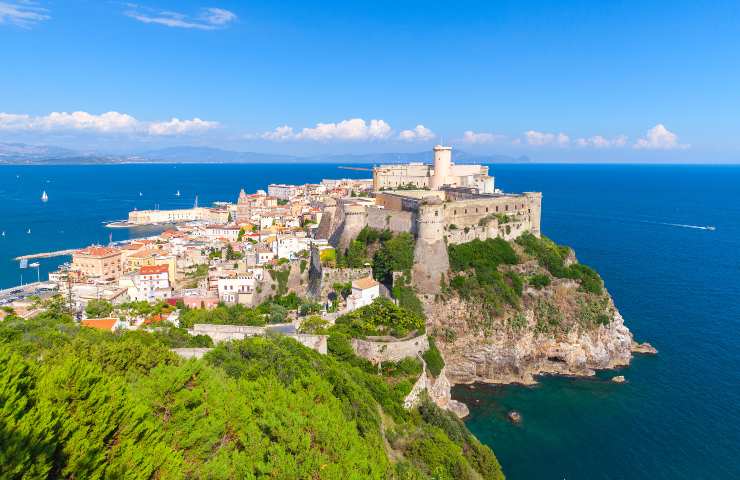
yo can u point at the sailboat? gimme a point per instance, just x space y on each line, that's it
44 197
178 193
29 231
141 194
3 234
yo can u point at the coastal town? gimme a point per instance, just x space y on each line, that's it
221 254
383 261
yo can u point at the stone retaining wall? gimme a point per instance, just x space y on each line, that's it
224 333
394 351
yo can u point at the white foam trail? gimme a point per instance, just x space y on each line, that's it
681 225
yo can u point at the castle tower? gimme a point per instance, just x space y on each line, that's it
430 254
442 164
534 200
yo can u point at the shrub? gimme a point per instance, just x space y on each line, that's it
98 308
434 360
382 317
539 281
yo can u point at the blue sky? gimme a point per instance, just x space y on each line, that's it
558 81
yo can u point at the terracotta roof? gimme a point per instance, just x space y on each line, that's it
100 323
142 254
153 269
153 319
364 283
98 251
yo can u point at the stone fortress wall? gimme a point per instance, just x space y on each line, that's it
450 214
390 351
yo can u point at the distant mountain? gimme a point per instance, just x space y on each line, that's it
213 155
23 151
19 153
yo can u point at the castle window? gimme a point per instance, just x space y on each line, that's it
466 210
507 208
497 208
486 209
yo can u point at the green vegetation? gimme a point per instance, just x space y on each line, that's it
222 315
434 360
273 310
315 325
80 403
281 277
539 281
594 312
392 253
328 257
407 299
475 273
382 317
549 317
552 257
98 308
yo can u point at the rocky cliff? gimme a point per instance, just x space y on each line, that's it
555 326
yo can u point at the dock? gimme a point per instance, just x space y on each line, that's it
360 169
58 253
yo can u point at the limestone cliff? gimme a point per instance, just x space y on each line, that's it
557 328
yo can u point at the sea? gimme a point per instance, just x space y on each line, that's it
643 227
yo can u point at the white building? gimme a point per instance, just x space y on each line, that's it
228 232
239 287
289 247
151 283
443 172
283 192
364 291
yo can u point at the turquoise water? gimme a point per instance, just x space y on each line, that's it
677 287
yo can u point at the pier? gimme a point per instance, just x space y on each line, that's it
361 169
58 253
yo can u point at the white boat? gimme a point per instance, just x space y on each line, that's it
141 194
44 197
178 193
3 234
711 227
29 231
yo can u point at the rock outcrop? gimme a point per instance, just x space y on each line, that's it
480 349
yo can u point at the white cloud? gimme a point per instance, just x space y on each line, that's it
175 126
420 132
207 19
659 138
105 123
472 137
598 141
539 139
22 14
355 129
11 121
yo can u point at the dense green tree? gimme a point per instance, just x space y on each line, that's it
98 308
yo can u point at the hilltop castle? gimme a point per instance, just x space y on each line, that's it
442 173
451 204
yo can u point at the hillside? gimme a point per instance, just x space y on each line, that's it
78 403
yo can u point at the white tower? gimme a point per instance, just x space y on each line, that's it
442 163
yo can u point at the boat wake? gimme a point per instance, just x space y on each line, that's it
710 228
682 225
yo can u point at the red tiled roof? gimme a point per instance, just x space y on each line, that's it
100 323
364 283
153 269
98 251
